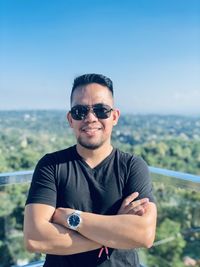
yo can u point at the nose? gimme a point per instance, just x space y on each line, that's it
91 117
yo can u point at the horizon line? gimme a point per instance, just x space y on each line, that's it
158 113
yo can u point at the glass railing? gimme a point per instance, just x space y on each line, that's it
178 227
178 231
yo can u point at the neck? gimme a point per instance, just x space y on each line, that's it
94 157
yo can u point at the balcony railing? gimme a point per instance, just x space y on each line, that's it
177 195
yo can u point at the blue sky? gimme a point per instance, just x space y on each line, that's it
149 48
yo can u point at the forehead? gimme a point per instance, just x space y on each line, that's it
92 94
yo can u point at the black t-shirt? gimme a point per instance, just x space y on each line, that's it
64 179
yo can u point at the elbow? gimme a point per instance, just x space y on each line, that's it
148 244
29 245
144 240
149 237
32 245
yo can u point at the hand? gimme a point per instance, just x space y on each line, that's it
137 207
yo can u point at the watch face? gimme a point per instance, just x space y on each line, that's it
74 220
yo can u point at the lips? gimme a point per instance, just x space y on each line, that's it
90 130
93 130
86 128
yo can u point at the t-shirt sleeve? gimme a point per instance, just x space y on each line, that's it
43 186
139 179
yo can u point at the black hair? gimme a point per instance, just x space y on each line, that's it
92 78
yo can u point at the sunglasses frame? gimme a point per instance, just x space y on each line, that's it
92 108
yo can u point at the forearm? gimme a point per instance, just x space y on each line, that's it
58 240
117 231
43 236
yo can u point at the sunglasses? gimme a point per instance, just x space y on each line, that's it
80 112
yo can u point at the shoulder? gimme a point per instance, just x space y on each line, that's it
138 176
132 165
130 159
57 157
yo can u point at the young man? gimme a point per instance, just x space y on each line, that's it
90 204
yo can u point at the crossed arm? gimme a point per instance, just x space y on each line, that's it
45 228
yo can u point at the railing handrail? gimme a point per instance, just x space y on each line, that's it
16 173
10 177
179 175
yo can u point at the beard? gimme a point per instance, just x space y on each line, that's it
91 146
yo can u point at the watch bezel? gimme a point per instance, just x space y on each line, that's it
76 213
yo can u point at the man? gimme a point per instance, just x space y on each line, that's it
90 204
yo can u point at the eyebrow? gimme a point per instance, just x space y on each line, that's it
76 104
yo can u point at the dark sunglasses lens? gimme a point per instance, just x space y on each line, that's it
102 112
79 112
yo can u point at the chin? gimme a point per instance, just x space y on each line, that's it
91 146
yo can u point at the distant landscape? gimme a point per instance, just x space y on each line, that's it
166 141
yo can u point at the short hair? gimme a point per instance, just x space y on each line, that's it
92 78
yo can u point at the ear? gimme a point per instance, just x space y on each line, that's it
69 119
116 115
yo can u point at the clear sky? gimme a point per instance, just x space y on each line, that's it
149 48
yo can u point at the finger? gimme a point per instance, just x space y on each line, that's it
139 202
124 208
136 205
140 212
145 205
135 210
130 198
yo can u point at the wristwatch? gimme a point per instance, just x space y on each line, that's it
74 220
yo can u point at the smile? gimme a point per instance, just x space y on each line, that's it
90 130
